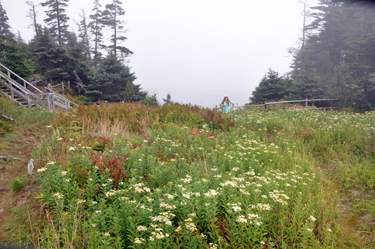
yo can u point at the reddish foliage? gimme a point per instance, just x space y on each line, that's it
224 228
115 166
211 134
195 132
139 117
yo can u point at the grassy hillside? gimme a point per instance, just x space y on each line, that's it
132 176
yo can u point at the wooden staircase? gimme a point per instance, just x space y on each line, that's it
29 96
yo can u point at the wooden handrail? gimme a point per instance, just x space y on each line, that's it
24 81
33 98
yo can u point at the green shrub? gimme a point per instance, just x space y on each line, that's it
6 126
18 184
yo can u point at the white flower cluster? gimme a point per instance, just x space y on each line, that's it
167 206
138 240
190 225
139 188
275 195
58 195
236 207
261 206
164 217
211 193
142 228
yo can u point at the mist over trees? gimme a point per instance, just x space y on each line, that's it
95 69
336 58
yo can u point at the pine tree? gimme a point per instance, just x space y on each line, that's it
338 52
112 18
110 81
15 56
95 27
272 87
133 93
168 99
32 14
307 83
57 19
4 25
84 41
52 60
150 100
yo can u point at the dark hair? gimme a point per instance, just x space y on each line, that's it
228 102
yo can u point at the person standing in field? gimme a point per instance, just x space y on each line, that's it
226 104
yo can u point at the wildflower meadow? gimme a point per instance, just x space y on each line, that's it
196 179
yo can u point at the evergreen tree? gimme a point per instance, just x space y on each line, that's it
52 60
4 25
150 100
57 19
95 27
84 41
32 14
110 81
338 51
15 56
168 99
133 93
307 83
75 49
272 87
112 19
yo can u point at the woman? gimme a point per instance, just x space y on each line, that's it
227 104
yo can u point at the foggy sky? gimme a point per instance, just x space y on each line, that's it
196 50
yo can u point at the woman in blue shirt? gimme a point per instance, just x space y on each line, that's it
227 104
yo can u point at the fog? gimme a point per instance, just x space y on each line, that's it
197 51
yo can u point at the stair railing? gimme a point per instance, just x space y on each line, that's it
52 98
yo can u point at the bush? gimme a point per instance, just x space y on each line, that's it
5 126
18 184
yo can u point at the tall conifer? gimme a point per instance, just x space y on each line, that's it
95 27
5 29
57 19
112 19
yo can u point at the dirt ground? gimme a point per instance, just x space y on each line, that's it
15 152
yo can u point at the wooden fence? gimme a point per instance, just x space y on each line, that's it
236 107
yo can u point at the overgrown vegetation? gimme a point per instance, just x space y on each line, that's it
130 175
166 178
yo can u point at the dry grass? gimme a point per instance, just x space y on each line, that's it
105 128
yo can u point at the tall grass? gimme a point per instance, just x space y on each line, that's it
133 176
25 116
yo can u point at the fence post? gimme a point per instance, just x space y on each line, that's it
49 101
63 88
68 83
265 106
11 90
28 100
306 104
53 102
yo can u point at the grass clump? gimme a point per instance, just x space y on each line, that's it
18 184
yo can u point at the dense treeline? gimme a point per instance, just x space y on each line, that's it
95 69
336 58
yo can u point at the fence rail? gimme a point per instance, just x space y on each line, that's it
287 101
28 95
